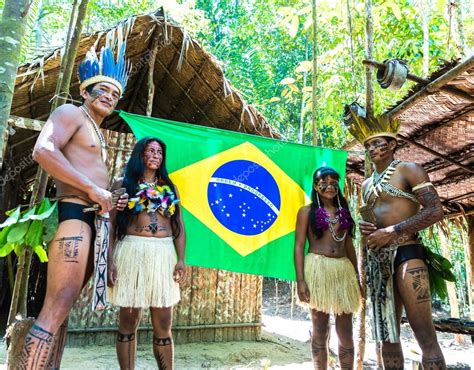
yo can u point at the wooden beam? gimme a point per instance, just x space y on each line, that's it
25 123
435 153
431 89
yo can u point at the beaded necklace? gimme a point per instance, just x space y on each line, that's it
379 182
324 221
97 131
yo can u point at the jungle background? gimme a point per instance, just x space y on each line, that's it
266 50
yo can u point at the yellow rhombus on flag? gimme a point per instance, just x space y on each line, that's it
197 177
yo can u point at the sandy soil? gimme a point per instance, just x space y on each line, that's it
285 345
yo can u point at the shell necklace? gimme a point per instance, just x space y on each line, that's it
97 131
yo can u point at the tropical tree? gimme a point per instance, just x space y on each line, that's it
13 25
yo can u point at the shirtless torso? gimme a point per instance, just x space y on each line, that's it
326 245
83 151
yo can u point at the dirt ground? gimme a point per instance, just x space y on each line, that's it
284 345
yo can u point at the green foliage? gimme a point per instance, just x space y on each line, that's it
33 228
457 238
262 42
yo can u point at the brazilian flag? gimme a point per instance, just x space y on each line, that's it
240 193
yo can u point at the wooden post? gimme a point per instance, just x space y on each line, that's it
151 72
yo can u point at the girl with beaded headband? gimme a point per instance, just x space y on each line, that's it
327 278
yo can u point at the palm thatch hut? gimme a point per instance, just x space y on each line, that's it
437 132
172 78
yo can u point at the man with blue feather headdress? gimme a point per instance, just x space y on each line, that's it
72 150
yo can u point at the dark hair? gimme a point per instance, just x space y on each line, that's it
320 174
133 175
90 88
389 139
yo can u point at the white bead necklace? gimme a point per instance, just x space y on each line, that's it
97 131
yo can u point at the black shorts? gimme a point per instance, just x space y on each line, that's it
73 211
409 252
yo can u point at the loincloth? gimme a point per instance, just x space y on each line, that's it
74 211
145 267
332 283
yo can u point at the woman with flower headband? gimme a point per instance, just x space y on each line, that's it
148 259
327 278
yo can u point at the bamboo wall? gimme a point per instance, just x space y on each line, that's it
215 305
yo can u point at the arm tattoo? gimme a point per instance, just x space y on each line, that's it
426 217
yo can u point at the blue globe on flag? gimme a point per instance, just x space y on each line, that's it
244 197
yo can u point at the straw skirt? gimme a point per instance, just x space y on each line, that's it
332 283
145 267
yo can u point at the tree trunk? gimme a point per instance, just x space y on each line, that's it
368 171
315 75
461 36
39 187
425 14
470 263
369 69
453 300
12 32
305 77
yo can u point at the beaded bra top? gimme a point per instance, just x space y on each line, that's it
379 183
154 197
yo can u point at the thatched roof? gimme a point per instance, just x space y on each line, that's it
189 84
440 117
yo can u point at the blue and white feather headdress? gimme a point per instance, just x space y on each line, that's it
92 70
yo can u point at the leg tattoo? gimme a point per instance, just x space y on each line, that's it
393 360
58 348
163 351
69 246
320 355
346 357
36 350
126 346
433 363
420 283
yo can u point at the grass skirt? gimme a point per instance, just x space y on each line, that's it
145 267
332 283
